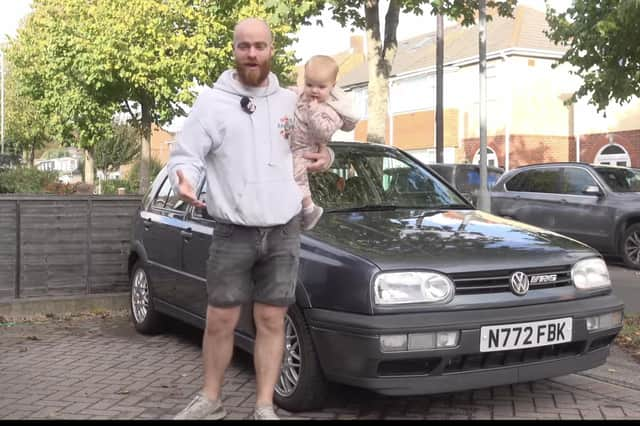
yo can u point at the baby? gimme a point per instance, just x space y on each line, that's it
321 110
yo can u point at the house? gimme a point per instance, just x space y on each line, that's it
527 120
67 165
161 142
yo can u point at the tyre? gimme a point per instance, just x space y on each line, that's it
302 385
146 320
630 251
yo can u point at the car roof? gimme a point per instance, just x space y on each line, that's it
571 163
493 168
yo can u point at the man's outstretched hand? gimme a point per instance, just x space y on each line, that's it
186 191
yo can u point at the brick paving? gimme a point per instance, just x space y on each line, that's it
93 367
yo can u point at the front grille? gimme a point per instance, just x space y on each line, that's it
498 281
479 361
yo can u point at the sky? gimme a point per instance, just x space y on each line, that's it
329 39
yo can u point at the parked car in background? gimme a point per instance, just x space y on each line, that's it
595 204
403 287
466 178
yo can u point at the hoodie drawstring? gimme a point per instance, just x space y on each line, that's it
270 163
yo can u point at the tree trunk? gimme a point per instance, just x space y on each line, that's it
89 174
380 56
145 151
32 155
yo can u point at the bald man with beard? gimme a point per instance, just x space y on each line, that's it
237 136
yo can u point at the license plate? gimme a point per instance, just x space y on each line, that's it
525 335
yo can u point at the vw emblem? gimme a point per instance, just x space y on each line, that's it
519 283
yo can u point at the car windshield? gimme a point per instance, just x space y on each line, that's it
620 179
372 178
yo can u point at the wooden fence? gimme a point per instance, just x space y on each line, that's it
64 245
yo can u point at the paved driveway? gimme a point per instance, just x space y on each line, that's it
98 368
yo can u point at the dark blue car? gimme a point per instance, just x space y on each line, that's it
403 287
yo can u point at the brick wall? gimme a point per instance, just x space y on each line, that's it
524 149
591 144
416 130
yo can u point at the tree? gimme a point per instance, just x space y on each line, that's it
601 36
145 58
119 147
381 51
45 56
27 130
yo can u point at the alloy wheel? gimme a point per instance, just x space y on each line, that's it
291 360
632 248
140 296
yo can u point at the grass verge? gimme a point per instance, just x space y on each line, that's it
629 337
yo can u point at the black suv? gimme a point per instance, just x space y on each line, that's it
597 205
403 288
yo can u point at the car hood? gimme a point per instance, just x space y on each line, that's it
445 240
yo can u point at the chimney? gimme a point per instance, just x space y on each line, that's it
356 44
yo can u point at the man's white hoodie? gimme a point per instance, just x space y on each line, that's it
246 158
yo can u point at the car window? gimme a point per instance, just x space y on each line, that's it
544 180
575 181
369 177
620 180
167 199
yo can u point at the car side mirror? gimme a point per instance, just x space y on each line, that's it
592 190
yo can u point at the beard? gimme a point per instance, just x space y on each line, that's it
253 76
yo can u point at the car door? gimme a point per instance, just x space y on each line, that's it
191 294
163 222
191 291
586 218
531 196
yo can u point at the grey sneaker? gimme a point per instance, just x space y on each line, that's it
201 407
265 413
309 220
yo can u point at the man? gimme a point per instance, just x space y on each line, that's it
237 134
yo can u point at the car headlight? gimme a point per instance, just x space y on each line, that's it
392 288
590 274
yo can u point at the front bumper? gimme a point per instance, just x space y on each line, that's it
349 351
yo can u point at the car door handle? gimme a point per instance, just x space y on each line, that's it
147 224
186 235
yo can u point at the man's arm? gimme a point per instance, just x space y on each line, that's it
187 158
322 160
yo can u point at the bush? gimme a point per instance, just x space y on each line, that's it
26 180
110 186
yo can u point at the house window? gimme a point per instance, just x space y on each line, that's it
492 158
414 93
613 155
360 99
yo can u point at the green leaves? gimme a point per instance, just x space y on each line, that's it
601 38
83 61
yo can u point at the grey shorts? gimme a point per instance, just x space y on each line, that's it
253 264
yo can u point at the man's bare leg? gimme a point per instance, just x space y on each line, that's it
269 348
217 347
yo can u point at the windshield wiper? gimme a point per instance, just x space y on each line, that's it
449 207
